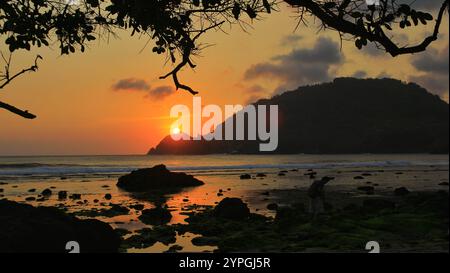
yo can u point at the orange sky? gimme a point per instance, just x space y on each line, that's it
80 113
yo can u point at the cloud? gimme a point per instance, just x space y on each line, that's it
432 61
256 89
433 67
139 85
424 4
290 40
131 84
160 92
300 66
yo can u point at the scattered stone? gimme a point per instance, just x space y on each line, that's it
245 176
232 208
96 201
358 177
137 207
75 196
105 186
155 216
443 184
2 190
46 193
401 191
205 241
281 174
266 193
32 190
108 196
24 228
367 189
261 175
156 178
174 249
29 199
62 195
272 206
366 174
63 178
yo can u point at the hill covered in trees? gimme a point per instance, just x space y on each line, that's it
347 115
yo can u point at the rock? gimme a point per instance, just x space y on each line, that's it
272 206
75 196
205 241
266 193
232 208
28 199
245 176
155 216
261 175
62 195
367 189
46 193
156 178
2 190
137 206
108 196
3 183
32 190
443 184
401 191
96 201
358 177
375 205
281 174
24 228
366 174
174 249
105 186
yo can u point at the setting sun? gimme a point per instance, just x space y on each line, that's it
176 131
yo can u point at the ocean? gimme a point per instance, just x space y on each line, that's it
26 168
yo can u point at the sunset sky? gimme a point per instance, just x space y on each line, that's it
109 99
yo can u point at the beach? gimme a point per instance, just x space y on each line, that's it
282 180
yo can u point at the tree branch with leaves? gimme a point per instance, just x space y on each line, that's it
176 26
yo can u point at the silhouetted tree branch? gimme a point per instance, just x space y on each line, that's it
176 25
6 78
371 23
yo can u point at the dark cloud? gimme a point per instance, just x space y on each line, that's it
433 68
432 61
300 66
138 85
255 89
160 92
424 4
291 40
131 84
